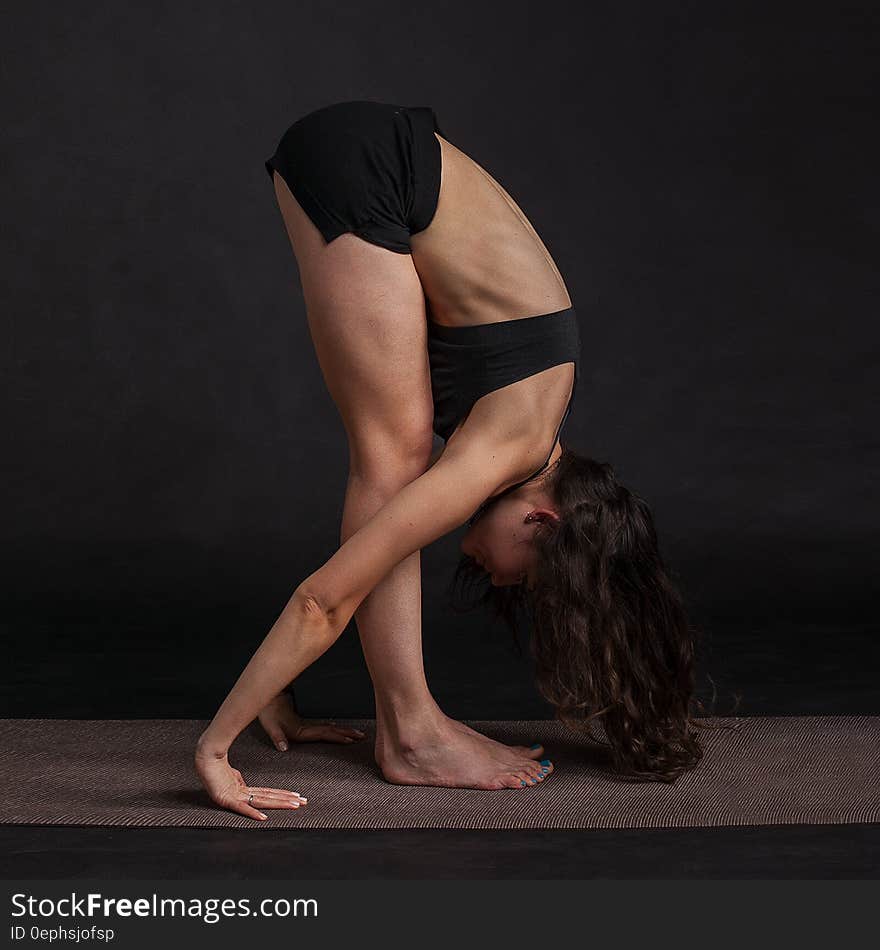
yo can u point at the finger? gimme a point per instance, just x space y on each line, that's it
279 739
324 732
335 734
267 796
274 792
244 809
263 800
351 733
280 795
320 733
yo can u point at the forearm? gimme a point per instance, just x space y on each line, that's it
297 638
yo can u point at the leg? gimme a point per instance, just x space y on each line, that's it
366 314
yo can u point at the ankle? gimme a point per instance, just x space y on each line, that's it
409 731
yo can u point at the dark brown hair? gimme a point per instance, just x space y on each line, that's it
610 634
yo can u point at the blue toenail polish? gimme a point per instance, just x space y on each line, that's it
537 745
532 781
521 782
544 771
545 761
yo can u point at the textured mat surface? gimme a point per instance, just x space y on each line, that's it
138 772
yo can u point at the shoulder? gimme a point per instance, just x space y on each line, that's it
511 431
496 449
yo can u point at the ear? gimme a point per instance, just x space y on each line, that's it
542 516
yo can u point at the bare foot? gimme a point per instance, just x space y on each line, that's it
451 758
518 750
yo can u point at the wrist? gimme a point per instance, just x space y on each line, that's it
208 747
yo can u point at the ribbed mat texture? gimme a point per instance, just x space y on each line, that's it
139 772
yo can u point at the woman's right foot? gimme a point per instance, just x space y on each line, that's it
530 752
450 758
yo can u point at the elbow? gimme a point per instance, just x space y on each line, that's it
314 616
323 599
310 604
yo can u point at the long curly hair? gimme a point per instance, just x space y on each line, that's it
610 636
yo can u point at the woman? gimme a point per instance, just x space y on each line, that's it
434 306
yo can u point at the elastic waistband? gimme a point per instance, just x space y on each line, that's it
503 329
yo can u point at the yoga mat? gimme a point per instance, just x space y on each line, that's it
138 772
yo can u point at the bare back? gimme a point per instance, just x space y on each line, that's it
480 260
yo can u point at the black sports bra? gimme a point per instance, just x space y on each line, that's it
468 362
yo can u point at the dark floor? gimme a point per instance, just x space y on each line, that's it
782 667
794 851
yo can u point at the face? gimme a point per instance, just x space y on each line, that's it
500 541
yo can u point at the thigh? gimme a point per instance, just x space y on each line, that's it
366 312
480 259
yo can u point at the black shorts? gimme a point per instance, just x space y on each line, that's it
371 168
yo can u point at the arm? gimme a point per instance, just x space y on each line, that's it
320 608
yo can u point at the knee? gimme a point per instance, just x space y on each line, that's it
389 459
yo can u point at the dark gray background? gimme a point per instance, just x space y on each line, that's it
704 176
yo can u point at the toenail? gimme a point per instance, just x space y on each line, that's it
521 782
544 771
532 781
545 761
537 745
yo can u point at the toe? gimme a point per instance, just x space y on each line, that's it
511 780
529 752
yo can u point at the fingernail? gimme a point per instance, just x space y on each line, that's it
282 746
349 739
545 761
537 745
262 815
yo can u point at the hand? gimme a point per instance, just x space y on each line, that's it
227 788
282 722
